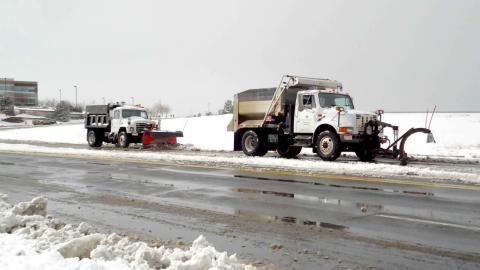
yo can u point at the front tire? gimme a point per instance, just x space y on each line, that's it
328 145
93 139
253 144
123 139
289 151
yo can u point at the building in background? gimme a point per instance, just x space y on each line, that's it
22 93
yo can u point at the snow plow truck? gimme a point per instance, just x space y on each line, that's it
123 124
312 113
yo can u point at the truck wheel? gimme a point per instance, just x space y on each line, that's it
93 139
365 154
328 146
123 139
289 151
253 145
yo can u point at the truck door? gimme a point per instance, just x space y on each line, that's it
115 121
305 121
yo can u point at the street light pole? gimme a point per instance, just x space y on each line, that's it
76 96
133 101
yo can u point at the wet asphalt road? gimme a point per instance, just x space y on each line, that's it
321 223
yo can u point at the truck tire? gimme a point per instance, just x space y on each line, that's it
365 154
93 139
328 145
123 139
289 151
253 144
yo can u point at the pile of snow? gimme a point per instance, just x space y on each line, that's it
29 239
204 132
311 166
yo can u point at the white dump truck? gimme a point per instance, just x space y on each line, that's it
308 112
123 124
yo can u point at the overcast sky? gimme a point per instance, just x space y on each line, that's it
396 55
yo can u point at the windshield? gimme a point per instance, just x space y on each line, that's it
330 100
130 113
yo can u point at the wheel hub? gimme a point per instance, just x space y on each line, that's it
326 146
91 138
251 143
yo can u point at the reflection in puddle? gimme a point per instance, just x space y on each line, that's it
362 206
289 220
337 185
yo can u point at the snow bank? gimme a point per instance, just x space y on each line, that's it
456 134
205 132
312 166
68 133
30 240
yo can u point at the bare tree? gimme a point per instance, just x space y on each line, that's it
159 108
47 102
228 107
62 111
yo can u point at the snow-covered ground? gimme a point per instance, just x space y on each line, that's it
210 133
30 239
456 134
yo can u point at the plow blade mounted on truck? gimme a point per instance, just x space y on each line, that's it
156 138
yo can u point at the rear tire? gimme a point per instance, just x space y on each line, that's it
94 139
289 151
253 144
123 139
328 145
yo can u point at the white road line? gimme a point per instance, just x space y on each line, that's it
465 227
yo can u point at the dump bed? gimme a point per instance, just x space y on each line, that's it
253 105
97 116
97 109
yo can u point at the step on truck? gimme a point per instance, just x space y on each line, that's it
122 124
311 113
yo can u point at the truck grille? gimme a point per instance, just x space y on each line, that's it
364 119
140 127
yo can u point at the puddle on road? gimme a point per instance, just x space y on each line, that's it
362 206
289 220
98 163
337 185
7 163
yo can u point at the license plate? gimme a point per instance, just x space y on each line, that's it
347 137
